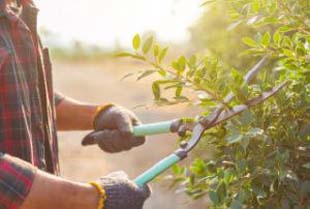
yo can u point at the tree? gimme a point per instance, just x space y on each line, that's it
260 159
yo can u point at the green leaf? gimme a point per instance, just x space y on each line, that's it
286 42
236 205
162 73
288 52
156 50
221 190
156 90
199 167
250 42
178 91
253 132
306 165
162 54
266 39
127 54
176 169
244 90
192 61
127 76
234 138
246 118
147 45
237 76
286 28
182 63
245 142
214 197
136 41
145 74
123 54
255 6
175 65
277 37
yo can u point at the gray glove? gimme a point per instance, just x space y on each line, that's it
123 193
113 130
112 140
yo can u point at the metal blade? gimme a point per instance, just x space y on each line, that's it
225 115
200 128
247 79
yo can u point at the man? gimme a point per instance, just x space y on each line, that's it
28 144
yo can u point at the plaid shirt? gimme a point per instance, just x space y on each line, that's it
27 113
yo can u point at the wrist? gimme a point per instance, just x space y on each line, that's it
100 109
88 198
74 115
102 196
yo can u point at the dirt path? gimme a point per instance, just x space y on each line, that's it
98 83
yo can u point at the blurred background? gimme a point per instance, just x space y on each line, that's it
84 35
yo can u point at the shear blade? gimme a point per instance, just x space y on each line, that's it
200 128
227 114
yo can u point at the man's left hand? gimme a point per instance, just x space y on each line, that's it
113 130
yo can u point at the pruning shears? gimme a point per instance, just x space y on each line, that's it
219 115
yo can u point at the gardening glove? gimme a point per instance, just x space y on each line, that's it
112 141
113 130
123 193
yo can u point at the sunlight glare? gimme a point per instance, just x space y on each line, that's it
107 22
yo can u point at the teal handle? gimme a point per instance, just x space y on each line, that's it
157 169
152 128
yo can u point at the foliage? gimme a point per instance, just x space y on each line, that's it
261 159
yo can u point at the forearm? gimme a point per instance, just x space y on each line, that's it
24 186
74 115
50 192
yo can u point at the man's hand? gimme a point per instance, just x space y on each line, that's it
113 130
123 193
112 140
50 192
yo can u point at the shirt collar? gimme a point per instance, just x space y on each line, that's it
27 12
5 11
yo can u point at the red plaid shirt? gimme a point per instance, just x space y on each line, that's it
27 115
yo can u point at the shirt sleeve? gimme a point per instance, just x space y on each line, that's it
58 98
16 178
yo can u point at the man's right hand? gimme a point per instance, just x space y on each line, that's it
122 192
113 130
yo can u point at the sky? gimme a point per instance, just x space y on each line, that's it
107 22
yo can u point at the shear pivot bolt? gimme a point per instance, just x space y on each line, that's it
183 144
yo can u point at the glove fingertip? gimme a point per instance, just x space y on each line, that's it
137 141
88 140
147 191
118 174
126 132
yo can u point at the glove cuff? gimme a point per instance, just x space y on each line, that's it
99 110
102 194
